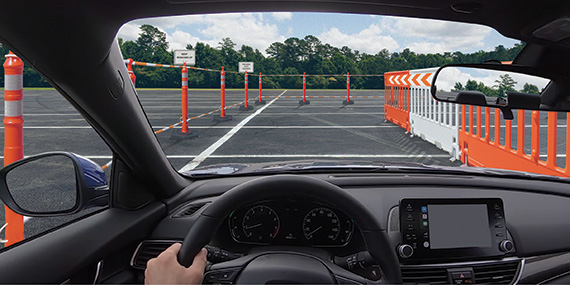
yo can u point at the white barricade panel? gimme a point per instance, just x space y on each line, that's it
435 122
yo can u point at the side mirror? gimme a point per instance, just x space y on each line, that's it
501 86
53 184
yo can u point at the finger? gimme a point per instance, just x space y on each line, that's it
200 260
150 262
174 248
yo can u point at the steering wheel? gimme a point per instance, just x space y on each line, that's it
288 266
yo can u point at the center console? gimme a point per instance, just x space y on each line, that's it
447 229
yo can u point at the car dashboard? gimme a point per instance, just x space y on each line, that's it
443 228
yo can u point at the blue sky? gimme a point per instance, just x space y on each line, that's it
365 33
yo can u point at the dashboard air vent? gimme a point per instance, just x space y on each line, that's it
189 210
500 272
496 273
424 275
148 250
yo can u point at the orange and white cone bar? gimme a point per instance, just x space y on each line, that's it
13 134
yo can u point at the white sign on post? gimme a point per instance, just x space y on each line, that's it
246 66
185 56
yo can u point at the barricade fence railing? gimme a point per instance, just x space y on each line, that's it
140 63
516 144
475 135
433 121
222 117
396 99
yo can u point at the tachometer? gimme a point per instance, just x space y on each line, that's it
260 224
321 225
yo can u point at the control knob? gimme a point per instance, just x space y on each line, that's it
506 246
405 250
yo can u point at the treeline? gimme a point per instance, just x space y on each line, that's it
293 56
502 87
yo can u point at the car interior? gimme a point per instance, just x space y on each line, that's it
351 226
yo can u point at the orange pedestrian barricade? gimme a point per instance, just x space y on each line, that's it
397 98
477 149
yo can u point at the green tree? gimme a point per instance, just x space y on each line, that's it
458 86
151 38
505 84
471 85
291 81
530 89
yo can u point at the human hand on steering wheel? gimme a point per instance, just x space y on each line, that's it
165 268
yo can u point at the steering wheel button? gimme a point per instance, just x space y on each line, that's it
211 276
227 275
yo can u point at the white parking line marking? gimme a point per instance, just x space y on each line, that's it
226 127
314 114
281 114
423 155
274 107
196 161
301 156
329 156
292 127
281 105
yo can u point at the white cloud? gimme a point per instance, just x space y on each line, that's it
282 16
179 40
434 36
370 40
243 29
129 32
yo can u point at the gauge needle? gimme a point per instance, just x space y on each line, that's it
311 233
251 227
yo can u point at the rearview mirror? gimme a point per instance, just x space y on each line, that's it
53 184
499 85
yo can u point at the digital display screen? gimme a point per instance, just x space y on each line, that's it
458 226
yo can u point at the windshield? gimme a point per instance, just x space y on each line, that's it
276 87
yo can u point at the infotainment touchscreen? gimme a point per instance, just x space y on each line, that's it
452 228
458 226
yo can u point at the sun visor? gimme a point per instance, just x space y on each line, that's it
555 31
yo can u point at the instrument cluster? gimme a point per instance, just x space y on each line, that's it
290 222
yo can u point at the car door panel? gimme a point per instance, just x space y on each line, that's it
61 254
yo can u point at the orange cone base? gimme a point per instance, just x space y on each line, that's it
178 134
244 108
219 119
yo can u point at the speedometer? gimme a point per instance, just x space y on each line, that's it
321 225
260 224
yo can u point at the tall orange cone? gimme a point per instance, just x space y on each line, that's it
13 134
